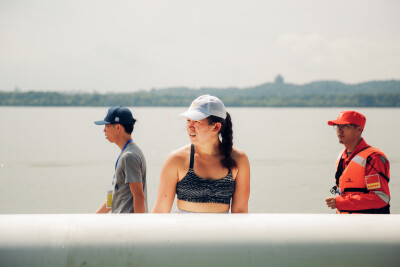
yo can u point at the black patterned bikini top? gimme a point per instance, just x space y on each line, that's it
192 188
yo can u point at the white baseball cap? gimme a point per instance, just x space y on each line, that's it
205 106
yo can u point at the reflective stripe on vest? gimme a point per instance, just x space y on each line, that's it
359 160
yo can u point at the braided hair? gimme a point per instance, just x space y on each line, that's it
226 142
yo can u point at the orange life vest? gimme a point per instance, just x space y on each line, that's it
353 178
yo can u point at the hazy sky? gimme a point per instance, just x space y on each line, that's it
123 46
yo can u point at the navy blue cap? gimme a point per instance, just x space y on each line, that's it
117 114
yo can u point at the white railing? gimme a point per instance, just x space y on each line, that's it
200 240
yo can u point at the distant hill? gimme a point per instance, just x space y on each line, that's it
278 94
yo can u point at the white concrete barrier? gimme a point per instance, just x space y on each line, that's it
200 240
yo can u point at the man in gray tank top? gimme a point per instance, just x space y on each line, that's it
129 192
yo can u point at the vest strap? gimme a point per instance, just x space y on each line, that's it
362 190
381 173
384 210
339 171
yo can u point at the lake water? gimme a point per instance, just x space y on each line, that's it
55 160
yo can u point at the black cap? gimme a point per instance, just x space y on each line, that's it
117 114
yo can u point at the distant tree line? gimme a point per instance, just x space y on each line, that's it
278 94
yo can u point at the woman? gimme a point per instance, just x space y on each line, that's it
209 175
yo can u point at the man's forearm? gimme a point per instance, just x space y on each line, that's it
103 209
139 205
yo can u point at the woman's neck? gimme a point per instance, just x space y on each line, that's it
208 149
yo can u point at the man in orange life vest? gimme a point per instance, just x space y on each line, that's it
362 172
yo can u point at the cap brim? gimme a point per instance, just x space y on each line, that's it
194 115
335 122
101 122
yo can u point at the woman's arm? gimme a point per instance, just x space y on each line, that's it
241 195
167 186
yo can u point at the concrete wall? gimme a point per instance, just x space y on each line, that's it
200 240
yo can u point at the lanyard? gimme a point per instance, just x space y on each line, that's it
116 163
127 143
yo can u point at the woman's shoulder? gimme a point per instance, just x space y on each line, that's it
180 155
242 163
182 151
238 154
